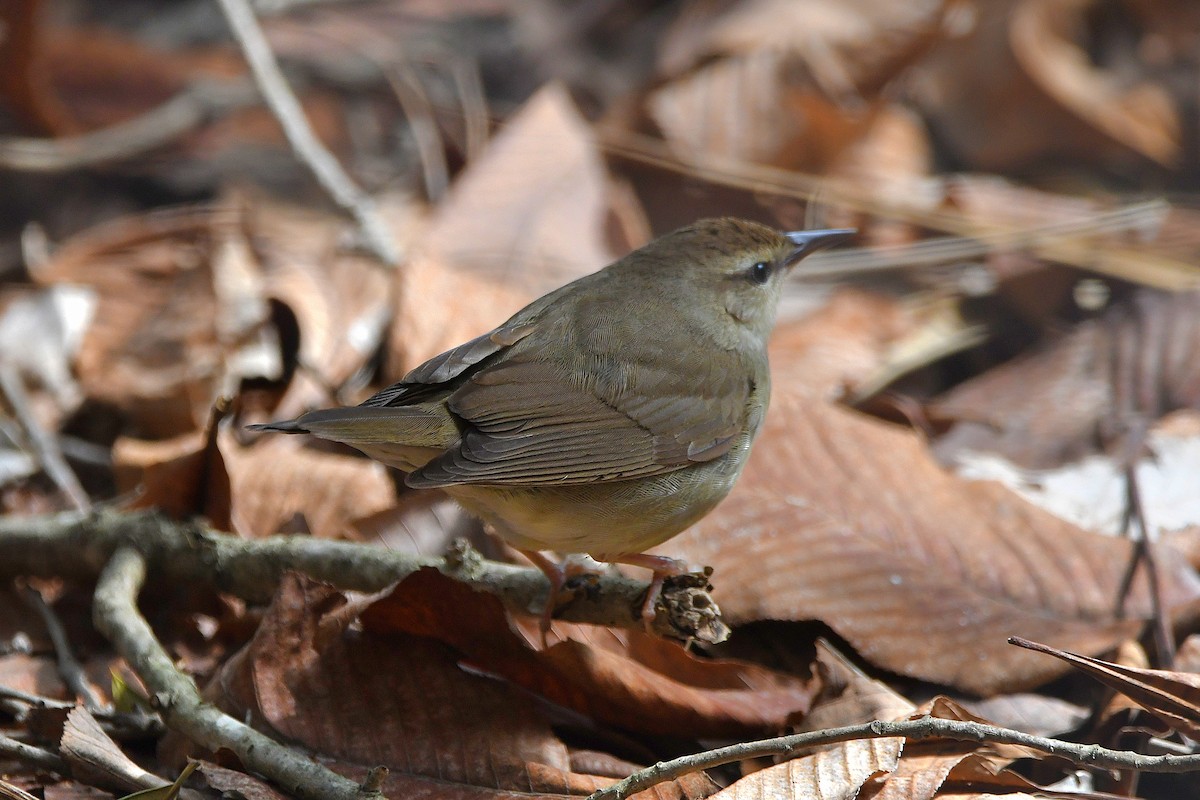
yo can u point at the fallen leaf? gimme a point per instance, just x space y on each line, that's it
247 786
621 678
525 218
182 476
835 774
775 82
1018 85
847 340
849 696
314 679
1039 714
1172 696
277 483
341 301
160 340
1138 114
1091 492
1083 391
843 519
95 758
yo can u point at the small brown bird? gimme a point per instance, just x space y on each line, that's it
606 416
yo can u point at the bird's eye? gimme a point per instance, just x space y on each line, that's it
759 272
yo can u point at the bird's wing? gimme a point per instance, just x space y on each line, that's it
526 423
432 377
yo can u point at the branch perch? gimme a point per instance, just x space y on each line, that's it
77 545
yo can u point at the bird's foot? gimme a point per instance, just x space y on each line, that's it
661 568
558 573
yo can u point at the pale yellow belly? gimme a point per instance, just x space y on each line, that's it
603 520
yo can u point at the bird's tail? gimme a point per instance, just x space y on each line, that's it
403 436
288 426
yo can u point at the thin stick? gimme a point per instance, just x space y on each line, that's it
300 135
186 111
406 85
69 668
28 754
45 446
1164 638
1089 755
117 724
116 616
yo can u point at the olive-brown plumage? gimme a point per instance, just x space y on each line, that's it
606 416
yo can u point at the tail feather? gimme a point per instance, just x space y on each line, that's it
405 426
287 426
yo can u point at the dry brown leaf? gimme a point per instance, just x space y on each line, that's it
525 218
782 83
32 674
174 304
277 483
891 160
848 695
1187 655
341 300
877 768
239 783
359 699
835 774
1170 695
731 108
1140 115
1039 714
183 476
931 764
266 486
922 776
847 520
422 524
1017 86
95 758
847 340
1134 363
624 679
95 77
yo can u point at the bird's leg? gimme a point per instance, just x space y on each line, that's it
557 572
662 568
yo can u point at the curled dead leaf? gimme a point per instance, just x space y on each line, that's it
844 519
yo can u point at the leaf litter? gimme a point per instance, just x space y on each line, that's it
203 286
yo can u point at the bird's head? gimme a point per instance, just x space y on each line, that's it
736 266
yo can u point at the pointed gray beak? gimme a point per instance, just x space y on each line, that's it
808 242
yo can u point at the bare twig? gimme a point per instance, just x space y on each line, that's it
117 724
44 445
406 85
308 148
851 262
74 545
186 111
1088 755
116 616
28 754
469 85
1135 523
69 668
